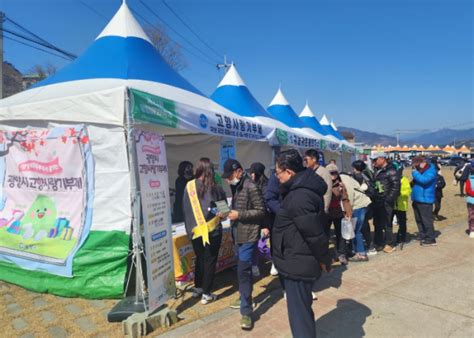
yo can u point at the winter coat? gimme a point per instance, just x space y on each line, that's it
299 241
440 185
424 185
357 197
387 180
272 195
262 185
248 201
207 202
405 191
180 186
326 176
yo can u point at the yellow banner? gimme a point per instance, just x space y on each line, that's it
202 227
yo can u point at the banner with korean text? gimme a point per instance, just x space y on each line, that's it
46 181
155 201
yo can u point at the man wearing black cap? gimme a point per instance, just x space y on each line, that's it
247 213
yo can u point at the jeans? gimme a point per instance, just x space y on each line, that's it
206 260
366 227
383 224
358 240
245 254
300 313
424 220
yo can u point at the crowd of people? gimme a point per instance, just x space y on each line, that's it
295 209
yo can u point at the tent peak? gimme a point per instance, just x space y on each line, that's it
306 112
333 125
324 121
279 99
124 24
231 78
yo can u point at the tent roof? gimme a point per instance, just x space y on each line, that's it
281 110
328 127
121 51
233 94
308 118
92 88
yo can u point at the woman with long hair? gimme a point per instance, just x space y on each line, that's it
203 226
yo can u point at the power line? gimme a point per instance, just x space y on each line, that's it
40 40
40 49
190 29
176 32
93 9
186 49
70 56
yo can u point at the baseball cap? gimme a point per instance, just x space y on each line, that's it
332 168
230 166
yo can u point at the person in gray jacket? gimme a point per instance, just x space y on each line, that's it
248 211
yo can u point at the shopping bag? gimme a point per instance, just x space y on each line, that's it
347 228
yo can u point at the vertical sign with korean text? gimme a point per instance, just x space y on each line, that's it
155 201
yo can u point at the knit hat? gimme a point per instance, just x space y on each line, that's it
332 168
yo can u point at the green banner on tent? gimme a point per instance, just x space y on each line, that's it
282 136
154 109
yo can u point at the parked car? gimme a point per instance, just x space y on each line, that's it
455 161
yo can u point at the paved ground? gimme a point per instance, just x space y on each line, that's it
417 292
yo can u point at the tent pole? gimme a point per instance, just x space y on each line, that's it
137 303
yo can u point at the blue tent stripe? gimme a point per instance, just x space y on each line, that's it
314 124
287 115
121 58
239 100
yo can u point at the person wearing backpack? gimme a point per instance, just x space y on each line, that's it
470 200
461 174
440 185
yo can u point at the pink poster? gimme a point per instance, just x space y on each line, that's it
43 197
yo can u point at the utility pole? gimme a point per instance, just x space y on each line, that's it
2 18
224 65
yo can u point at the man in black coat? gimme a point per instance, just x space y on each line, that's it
300 245
387 182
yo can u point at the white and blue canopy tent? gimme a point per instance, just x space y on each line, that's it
233 94
119 83
309 119
324 122
281 110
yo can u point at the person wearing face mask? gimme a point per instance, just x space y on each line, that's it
300 244
248 212
185 174
423 197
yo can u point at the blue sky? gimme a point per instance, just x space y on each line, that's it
376 65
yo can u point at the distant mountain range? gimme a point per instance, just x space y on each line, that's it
440 137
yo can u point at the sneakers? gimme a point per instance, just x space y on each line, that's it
284 294
315 296
359 258
471 234
206 299
197 292
389 249
372 252
342 259
246 323
255 271
273 270
429 243
236 304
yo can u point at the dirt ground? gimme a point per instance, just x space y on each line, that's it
48 315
